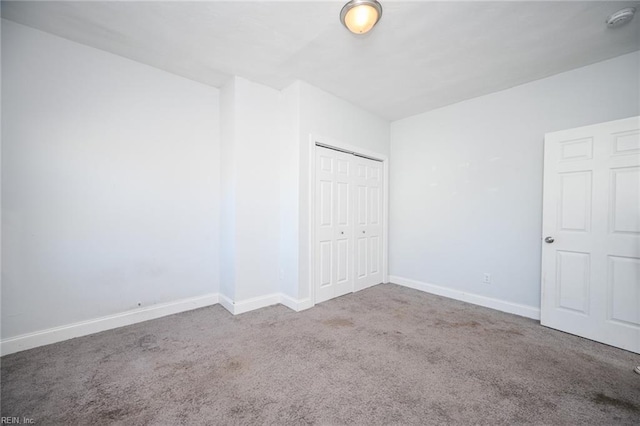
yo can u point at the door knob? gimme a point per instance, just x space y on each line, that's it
363 232
341 232
549 240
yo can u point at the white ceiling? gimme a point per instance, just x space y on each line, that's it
422 55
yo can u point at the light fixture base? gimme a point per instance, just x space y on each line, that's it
360 16
620 17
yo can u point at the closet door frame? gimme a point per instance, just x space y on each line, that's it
340 146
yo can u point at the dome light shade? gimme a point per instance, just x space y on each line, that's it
359 16
621 17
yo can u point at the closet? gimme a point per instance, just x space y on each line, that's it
348 223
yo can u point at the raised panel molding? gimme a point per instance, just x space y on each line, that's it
326 254
362 205
624 211
362 257
573 282
580 149
624 279
343 203
373 173
326 164
326 203
343 167
626 143
343 260
374 199
574 209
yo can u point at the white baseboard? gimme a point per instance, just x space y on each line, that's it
255 303
487 302
58 334
226 302
295 304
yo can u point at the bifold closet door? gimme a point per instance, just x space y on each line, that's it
348 211
334 224
368 222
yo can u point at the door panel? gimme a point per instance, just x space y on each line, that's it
362 205
374 205
374 259
581 149
326 203
573 274
575 204
624 292
343 203
625 197
326 255
591 209
368 227
334 227
343 260
361 255
626 143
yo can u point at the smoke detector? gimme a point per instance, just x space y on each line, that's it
620 17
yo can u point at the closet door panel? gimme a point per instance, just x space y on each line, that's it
368 227
334 225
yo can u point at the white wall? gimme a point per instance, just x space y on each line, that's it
466 179
228 190
118 178
125 184
257 197
265 150
110 183
289 189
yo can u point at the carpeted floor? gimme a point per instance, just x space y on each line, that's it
386 355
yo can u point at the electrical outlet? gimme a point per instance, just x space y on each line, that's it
486 278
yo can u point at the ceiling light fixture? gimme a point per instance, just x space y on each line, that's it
359 16
621 17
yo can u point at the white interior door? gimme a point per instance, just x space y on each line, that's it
591 227
334 219
368 222
349 223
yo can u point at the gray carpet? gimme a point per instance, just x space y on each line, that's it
386 355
